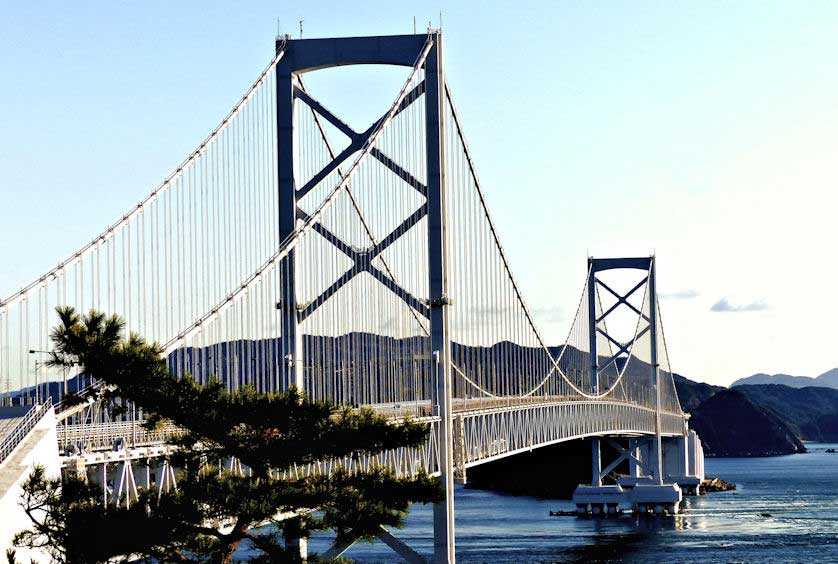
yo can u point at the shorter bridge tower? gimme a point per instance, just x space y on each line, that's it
646 487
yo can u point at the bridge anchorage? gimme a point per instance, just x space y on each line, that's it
364 268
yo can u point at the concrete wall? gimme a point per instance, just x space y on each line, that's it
39 447
674 458
696 455
683 457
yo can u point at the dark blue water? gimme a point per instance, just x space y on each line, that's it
799 492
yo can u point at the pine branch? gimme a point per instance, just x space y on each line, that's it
266 432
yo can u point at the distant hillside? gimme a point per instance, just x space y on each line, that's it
812 413
691 393
828 379
809 414
730 424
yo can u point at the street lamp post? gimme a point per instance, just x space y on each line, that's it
38 364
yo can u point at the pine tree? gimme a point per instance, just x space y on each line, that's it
269 433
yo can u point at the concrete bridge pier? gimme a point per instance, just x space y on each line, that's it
603 500
656 498
648 488
683 460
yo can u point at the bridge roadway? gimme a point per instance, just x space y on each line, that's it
484 429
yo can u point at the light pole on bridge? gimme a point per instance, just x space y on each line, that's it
38 365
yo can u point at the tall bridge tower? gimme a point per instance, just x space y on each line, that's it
304 56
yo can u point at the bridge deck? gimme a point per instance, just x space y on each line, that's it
483 431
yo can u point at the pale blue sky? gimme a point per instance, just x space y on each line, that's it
705 131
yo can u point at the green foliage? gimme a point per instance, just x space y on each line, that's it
68 515
269 433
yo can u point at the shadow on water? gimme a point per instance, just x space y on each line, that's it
627 538
607 548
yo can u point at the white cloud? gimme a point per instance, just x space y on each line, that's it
679 295
723 305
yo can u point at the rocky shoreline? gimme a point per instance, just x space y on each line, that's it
712 485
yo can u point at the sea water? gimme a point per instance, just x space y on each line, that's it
784 509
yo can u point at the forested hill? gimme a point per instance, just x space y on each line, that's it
691 394
759 420
812 413
730 424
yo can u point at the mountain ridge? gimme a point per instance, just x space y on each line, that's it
730 423
759 419
810 412
828 379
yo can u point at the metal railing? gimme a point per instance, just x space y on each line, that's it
84 398
101 436
32 417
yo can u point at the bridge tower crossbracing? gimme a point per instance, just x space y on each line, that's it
302 56
597 494
596 324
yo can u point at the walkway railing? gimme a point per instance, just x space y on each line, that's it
102 435
32 417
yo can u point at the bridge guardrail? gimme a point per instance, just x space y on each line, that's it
102 436
32 417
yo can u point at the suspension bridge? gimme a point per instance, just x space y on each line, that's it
363 267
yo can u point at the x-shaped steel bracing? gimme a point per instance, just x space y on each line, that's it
622 348
363 259
624 455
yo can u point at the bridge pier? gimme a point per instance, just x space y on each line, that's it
602 500
142 473
102 480
596 462
125 486
459 451
681 474
640 459
684 461
657 498
166 479
634 464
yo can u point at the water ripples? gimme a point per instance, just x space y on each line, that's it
785 509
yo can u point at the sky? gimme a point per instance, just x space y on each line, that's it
706 133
